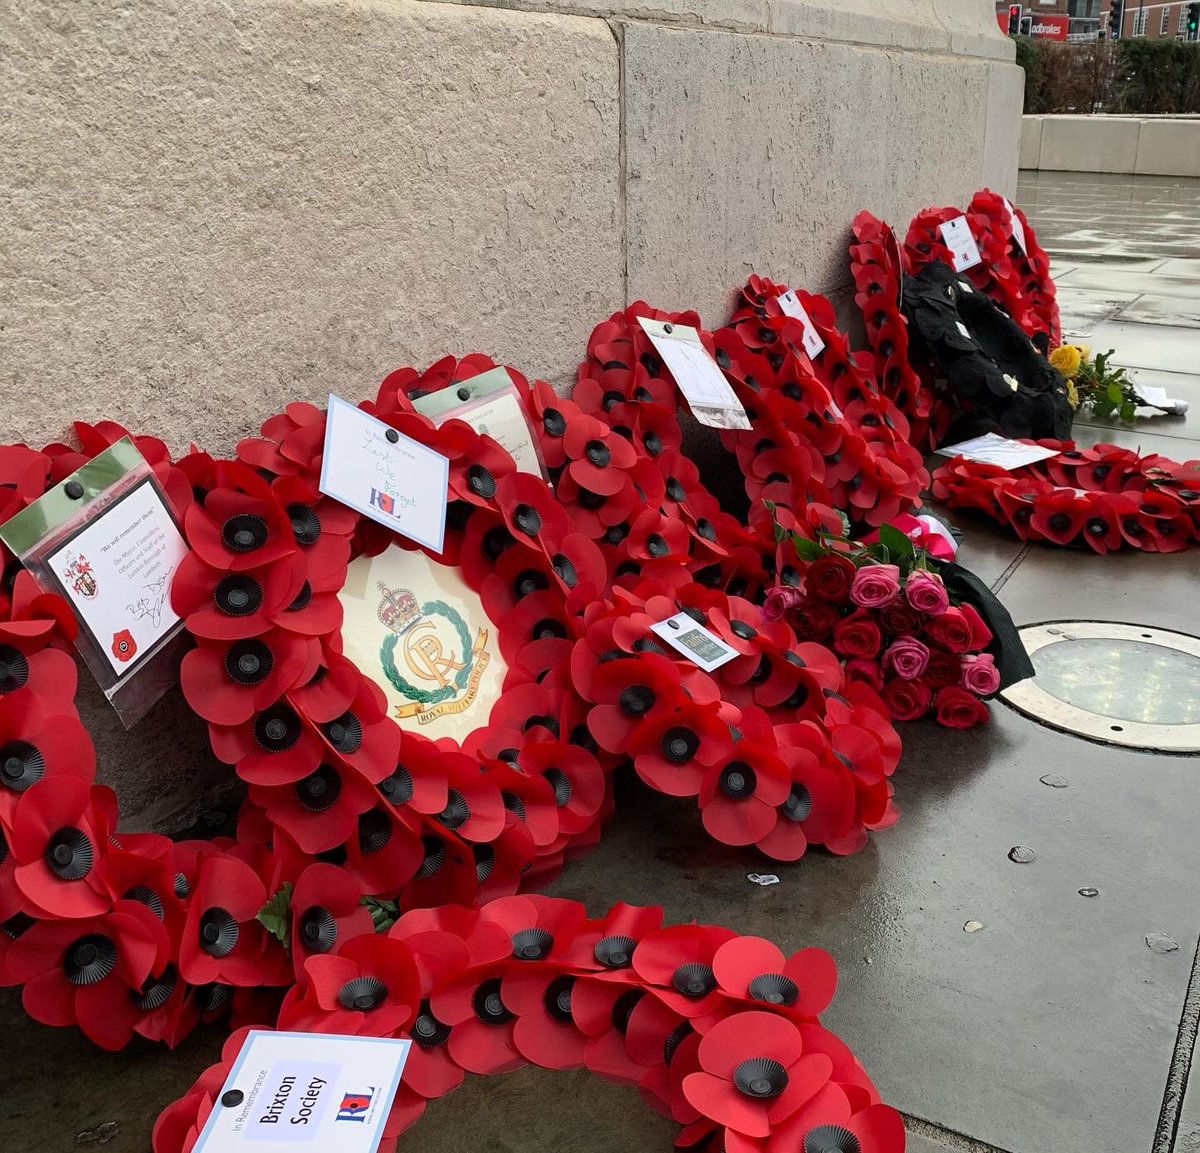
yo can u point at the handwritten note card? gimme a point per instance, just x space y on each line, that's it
1018 229
992 448
699 377
117 574
385 475
789 302
957 236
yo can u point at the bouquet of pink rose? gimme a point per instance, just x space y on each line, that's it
889 617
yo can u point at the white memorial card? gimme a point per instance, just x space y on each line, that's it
957 236
116 572
712 401
291 1092
385 475
1018 229
694 641
998 450
492 408
789 302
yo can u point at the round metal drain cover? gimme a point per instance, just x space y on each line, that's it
1122 684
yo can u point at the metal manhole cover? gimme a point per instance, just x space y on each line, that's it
1122 684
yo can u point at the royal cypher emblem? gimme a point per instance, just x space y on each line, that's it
80 577
428 655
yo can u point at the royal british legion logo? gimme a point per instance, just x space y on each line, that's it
441 665
355 1106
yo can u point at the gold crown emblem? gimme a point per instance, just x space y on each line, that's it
398 610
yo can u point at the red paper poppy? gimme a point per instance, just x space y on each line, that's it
740 794
673 753
753 969
755 1074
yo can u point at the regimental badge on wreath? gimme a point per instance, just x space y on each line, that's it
428 655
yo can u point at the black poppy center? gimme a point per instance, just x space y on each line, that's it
320 790
738 781
529 582
156 991
679 745
653 443
14 669
277 729
694 980
598 453
657 546
345 733
532 944
318 929
244 532
90 959
456 813
1060 522
21 765
774 989
398 788
434 858
637 700
561 784
743 630
488 1005
565 570
760 1077
798 804
528 519
238 596
374 831
219 932
249 662
1097 526
428 1032
69 854
831 1139
306 525
557 999
363 994
615 952
554 422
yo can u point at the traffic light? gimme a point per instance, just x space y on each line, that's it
1193 21
1014 19
1116 17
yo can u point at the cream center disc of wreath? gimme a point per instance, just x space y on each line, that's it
421 634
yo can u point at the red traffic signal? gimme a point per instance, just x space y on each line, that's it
1014 19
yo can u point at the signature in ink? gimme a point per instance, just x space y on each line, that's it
149 606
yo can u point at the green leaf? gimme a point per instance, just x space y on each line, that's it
1113 392
1128 411
276 915
383 913
896 541
808 549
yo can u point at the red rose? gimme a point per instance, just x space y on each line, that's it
814 620
907 700
830 578
860 669
899 620
981 635
857 636
945 667
952 630
958 709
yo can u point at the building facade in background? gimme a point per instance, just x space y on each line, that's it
1084 19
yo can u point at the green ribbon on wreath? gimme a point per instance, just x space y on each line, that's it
429 696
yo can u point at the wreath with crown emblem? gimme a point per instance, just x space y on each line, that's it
387 659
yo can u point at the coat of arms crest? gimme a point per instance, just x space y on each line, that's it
80 577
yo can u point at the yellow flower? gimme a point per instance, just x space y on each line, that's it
1067 360
1084 351
1072 394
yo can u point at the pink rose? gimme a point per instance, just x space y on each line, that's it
907 700
958 709
860 669
980 675
857 636
780 601
926 593
875 585
907 658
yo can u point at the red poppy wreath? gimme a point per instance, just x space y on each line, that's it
718 1032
